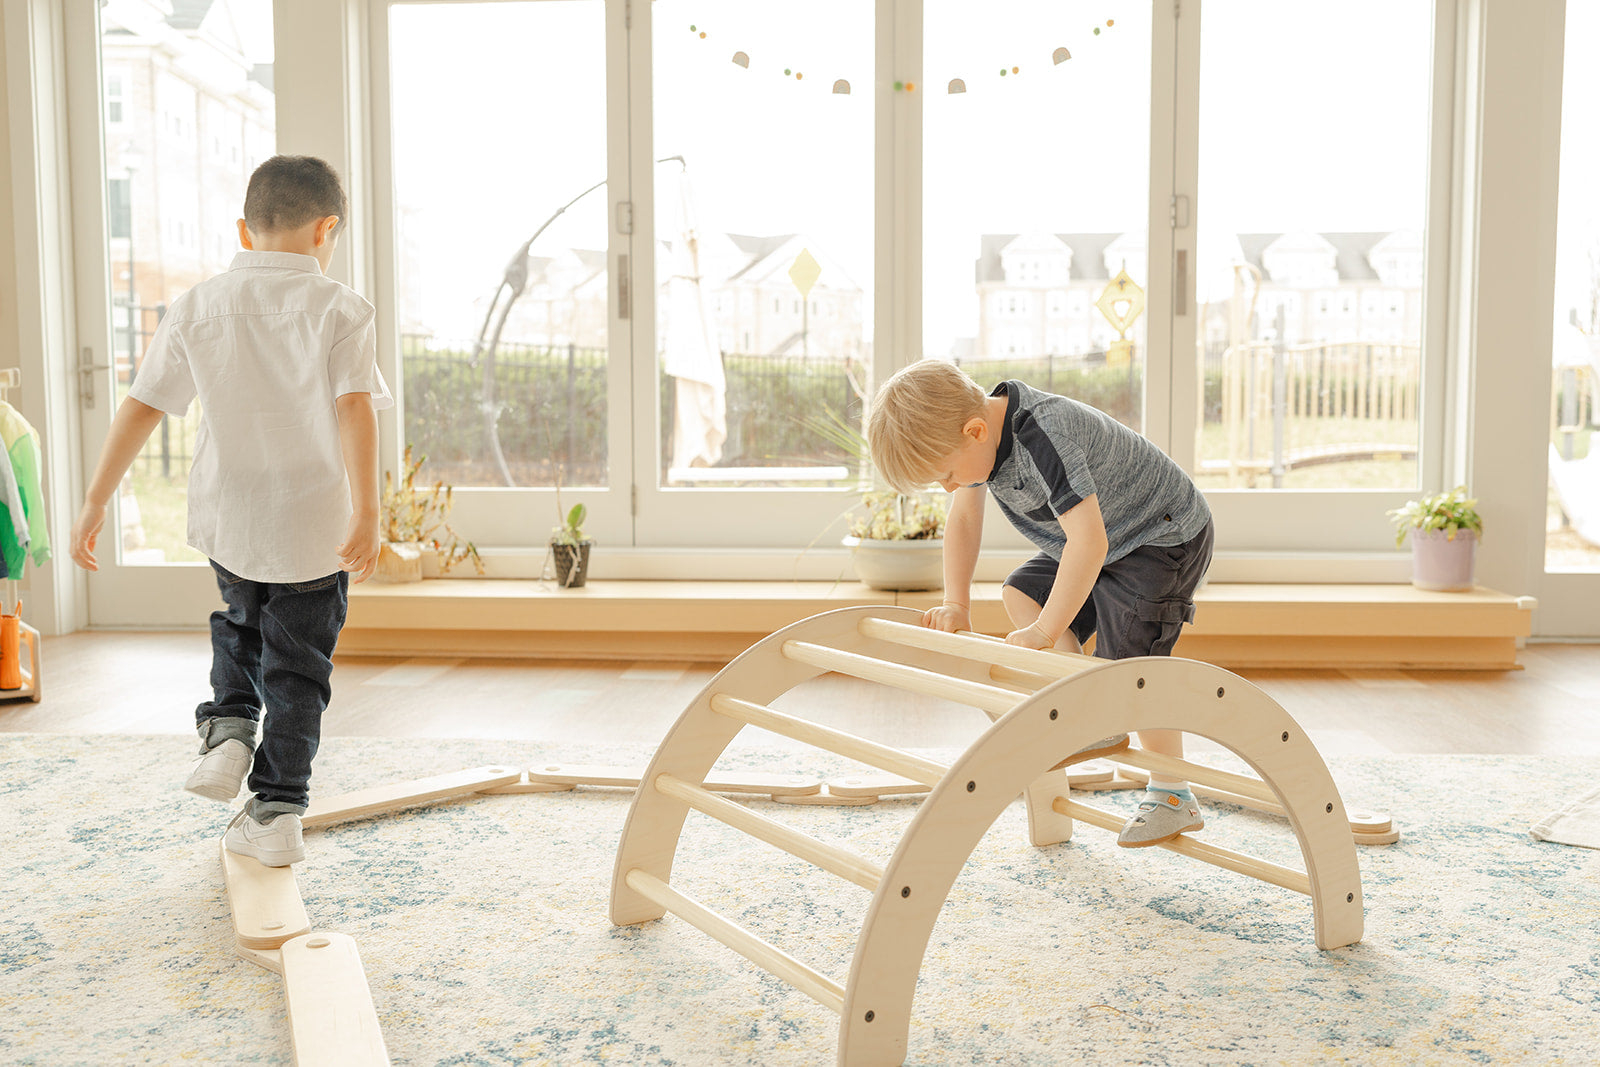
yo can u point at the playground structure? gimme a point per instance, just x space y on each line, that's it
1045 706
1275 395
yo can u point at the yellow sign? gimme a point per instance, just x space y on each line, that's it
805 272
1121 303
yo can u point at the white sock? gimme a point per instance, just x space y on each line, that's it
1170 785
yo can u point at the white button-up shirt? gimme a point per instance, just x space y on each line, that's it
267 347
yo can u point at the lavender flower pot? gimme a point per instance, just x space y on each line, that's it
1441 563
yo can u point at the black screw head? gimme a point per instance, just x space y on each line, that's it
905 891
870 1016
1329 808
1220 691
1349 898
971 786
1054 714
1286 735
1141 683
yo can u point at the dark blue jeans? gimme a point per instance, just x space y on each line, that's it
272 649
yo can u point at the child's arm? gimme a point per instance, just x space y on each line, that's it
358 440
1081 559
130 429
963 534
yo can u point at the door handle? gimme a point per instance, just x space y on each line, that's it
87 369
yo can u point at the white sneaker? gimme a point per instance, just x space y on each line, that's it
274 843
219 773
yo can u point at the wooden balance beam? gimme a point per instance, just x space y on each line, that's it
1045 706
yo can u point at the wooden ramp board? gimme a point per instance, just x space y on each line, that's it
265 901
398 795
331 1017
573 774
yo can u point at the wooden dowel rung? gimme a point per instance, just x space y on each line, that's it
1172 767
831 858
1237 862
837 741
1002 675
818 987
1269 807
990 699
980 647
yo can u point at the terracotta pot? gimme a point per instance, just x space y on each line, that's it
1441 563
399 562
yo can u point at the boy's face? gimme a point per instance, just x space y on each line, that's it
972 460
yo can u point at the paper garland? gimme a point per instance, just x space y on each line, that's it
956 85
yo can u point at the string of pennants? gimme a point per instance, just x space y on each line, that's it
956 85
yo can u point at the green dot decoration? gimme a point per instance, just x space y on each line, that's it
1097 31
692 27
1003 72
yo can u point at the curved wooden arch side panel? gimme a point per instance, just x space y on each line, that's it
698 739
1175 694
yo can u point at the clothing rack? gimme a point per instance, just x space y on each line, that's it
11 598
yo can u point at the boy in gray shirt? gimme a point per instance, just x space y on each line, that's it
1124 534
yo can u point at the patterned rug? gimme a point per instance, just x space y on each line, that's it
482 926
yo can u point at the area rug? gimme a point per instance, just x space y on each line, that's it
1576 823
482 926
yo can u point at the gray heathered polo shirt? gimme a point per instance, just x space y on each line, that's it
1055 452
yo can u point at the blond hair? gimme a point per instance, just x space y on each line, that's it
916 421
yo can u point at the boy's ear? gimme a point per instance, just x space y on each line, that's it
325 229
976 428
244 235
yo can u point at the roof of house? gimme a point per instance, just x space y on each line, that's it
1088 255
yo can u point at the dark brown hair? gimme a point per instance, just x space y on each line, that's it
286 192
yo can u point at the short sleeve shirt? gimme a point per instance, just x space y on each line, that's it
267 347
1055 452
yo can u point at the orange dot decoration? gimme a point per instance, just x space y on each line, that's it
911 87
1111 22
702 33
1016 70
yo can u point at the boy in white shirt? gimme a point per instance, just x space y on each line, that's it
283 492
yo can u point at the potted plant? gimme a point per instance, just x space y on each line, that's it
569 548
1445 529
416 529
896 540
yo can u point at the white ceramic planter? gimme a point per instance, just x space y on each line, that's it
898 566
1441 563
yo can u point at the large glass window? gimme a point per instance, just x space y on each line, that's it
763 126
1312 209
499 173
1572 538
189 113
1036 165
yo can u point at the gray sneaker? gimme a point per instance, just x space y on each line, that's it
1162 816
1103 747
218 773
274 843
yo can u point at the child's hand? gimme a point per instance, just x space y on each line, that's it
358 553
1030 637
948 617
85 531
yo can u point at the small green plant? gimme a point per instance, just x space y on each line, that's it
421 516
570 532
1451 511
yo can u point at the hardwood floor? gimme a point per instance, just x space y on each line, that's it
144 683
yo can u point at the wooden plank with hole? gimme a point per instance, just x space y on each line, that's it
331 1017
873 784
717 781
265 901
394 796
827 800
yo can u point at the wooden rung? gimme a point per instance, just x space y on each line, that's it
1238 862
980 648
775 961
1195 773
1020 680
996 702
826 800
721 782
831 858
265 901
331 1017
397 795
875 784
1236 799
857 748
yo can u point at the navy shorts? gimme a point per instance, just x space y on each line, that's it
1139 603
